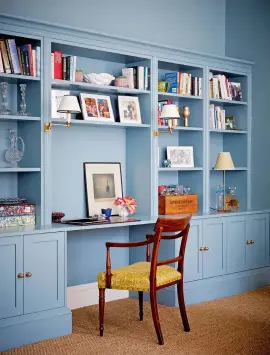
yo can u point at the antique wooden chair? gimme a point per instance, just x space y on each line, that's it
149 276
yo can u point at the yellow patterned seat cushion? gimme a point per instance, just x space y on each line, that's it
136 277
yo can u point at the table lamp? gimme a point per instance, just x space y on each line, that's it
224 162
69 104
169 113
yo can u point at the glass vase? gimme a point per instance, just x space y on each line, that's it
122 211
23 111
4 102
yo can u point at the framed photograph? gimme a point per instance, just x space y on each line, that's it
230 122
96 108
181 157
129 109
103 183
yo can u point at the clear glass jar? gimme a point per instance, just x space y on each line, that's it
220 198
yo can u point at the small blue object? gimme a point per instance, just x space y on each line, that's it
107 212
167 163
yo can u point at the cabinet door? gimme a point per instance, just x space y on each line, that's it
236 232
193 255
11 286
44 259
214 258
257 253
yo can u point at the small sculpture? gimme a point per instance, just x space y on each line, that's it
167 163
186 114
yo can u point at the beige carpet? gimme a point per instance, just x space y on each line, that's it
234 325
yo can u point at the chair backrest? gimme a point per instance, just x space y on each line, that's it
179 227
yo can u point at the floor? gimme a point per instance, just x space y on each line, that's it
234 325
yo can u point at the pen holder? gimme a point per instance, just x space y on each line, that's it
107 212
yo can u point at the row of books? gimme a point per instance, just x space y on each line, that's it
220 87
63 67
163 122
137 77
217 117
184 83
24 60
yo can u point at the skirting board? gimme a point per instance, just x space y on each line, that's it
87 295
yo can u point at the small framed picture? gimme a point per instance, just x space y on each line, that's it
96 107
181 157
129 109
230 122
103 184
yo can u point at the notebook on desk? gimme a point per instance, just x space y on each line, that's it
91 221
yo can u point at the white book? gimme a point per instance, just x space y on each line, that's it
1 64
218 117
52 64
140 78
34 57
38 61
223 119
195 86
200 86
74 67
56 98
128 73
215 88
189 84
212 116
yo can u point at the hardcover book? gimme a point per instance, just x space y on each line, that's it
172 79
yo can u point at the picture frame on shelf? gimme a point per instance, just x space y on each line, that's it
103 184
129 109
230 123
96 108
181 156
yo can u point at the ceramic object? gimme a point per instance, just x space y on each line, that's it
121 81
122 211
57 216
79 76
98 79
107 212
167 163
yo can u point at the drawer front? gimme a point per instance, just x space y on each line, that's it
44 263
11 276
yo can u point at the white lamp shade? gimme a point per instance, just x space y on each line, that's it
69 104
170 111
224 161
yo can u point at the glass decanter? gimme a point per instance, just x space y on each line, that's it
13 155
23 111
4 102
220 198
232 204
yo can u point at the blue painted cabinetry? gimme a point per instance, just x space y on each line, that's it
11 286
32 274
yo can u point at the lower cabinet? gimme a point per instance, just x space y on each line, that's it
32 274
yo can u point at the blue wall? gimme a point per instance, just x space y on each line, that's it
194 24
247 37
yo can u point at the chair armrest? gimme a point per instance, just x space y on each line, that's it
129 245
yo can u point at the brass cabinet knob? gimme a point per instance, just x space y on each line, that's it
252 242
28 274
201 248
248 242
206 248
20 276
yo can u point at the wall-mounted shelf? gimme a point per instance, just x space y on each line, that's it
228 131
169 95
18 118
235 169
227 102
85 123
15 78
179 169
19 170
181 128
82 86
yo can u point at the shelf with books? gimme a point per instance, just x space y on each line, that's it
75 122
228 131
166 95
17 78
227 102
180 169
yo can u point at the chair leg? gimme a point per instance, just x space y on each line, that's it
141 304
101 310
153 300
182 307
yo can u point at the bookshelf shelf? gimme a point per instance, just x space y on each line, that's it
84 123
169 95
18 118
235 169
78 86
17 78
227 102
180 128
228 131
179 169
19 170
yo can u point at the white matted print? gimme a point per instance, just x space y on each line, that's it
129 109
181 156
103 184
96 108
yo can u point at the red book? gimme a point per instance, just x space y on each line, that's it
58 65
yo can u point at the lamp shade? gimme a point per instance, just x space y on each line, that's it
170 111
224 161
69 104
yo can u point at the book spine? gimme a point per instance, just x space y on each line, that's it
145 78
71 68
200 87
135 77
20 59
1 63
5 56
30 58
9 56
67 68
149 78
23 62
38 61
178 82
57 65
34 54
14 56
128 73
26 60
74 67
52 65
140 77
64 68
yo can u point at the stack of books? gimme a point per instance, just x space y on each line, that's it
63 67
138 77
24 60
220 87
184 83
217 117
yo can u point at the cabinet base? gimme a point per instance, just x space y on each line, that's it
24 330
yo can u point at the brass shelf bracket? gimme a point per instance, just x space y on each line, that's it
48 126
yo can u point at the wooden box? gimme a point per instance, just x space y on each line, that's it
178 204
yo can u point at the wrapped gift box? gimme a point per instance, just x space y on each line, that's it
16 221
13 215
